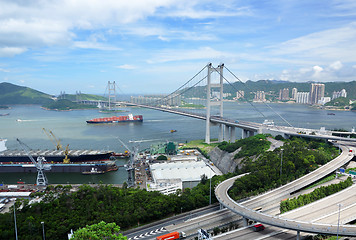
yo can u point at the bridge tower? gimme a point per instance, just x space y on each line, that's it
210 103
112 93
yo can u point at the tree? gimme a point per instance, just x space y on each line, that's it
99 231
161 157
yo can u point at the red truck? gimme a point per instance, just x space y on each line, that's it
171 236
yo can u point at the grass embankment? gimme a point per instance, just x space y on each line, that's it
317 194
203 147
249 146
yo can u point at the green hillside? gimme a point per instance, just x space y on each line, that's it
272 87
65 104
13 94
83 96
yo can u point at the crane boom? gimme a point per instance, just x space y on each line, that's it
57 144
41 177
27 151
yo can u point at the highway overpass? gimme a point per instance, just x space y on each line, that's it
245 209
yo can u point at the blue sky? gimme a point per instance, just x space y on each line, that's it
153 46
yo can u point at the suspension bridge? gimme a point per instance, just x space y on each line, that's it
202 97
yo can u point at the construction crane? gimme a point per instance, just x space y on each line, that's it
58 145
130 165
41 177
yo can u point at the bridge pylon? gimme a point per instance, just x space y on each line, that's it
112 93
210 102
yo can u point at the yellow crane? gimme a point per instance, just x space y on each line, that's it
57 144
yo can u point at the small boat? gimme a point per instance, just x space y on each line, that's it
93 171
125 154
4 114
331 113
172 131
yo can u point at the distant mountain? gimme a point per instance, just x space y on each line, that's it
272 87
83 96
14 94
65 104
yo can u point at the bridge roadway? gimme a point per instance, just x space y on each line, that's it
250 126
255 127
245 209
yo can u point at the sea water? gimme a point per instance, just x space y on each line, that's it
26 122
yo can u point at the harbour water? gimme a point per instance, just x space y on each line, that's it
26 122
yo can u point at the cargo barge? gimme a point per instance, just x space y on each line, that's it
115 119
52 156
78 160
101 167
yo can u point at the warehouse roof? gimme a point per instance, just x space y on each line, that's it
184 170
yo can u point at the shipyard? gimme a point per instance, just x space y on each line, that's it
84 161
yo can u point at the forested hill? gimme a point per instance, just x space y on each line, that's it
14 94
272 87
275 86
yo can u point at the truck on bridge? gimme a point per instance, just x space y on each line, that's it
171 236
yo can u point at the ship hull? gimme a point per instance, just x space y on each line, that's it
114 119
98 122
10 156
103 167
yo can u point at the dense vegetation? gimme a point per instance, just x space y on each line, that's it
339 102
299 158
191 105
99 231
13 94
249 146
317 194
65 104
272 87
64 211
83 96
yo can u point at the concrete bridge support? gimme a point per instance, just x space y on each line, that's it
298 235
244 221
247 133
221 132
210 103
227 134
232 134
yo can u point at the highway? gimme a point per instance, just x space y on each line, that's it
265 200
150 231
269 203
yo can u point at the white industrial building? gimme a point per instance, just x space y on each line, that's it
179 173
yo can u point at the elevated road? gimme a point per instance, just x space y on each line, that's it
245 209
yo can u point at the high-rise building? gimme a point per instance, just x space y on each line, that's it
260 96
303 97
284 94
294 93
324 100
317 91
240 94
341 93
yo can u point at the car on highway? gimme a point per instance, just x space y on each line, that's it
258 227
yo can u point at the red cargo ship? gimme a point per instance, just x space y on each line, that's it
114 119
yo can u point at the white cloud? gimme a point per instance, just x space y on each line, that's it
94 45
126 66
323 46
4 70
336 65
30 24
317 71
170 55
11 51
